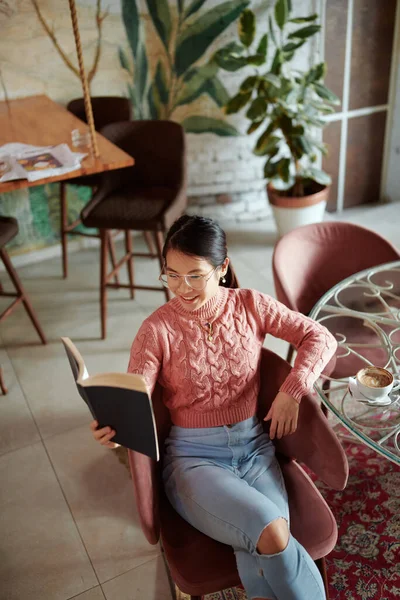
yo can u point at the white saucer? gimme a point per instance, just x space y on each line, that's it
355 392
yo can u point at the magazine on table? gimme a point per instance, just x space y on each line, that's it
22 161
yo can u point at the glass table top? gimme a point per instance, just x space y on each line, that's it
363 313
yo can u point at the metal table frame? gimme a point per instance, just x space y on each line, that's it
378 427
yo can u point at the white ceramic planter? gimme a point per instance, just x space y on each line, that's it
289 218
294 211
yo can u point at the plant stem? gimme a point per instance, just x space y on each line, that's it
298 188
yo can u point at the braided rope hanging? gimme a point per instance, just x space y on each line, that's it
85 86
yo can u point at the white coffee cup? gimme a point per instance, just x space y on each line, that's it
376 382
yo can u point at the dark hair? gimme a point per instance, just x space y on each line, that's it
200 236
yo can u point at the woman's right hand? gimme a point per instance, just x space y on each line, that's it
103 435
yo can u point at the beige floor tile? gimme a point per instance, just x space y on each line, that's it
99 492
46 379
43 555
93 594
147 582
18 428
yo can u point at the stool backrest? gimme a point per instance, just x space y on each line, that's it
158 148
106 110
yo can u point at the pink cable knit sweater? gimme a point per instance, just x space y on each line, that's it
215 383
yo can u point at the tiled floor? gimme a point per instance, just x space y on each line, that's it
69 528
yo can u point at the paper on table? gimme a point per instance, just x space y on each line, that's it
23 161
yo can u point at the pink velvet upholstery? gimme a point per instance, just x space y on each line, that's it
310 260
200 565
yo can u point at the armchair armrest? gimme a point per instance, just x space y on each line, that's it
314 443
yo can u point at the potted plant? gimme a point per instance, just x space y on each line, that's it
288 106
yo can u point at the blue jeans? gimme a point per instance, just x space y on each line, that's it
227 483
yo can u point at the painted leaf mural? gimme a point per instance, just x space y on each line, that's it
181 74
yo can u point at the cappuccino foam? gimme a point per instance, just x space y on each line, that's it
375 380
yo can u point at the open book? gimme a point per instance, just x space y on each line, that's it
117 400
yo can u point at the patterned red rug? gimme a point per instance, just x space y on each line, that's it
365 564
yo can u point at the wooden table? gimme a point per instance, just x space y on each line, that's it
39 121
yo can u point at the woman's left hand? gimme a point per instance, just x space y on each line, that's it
283 413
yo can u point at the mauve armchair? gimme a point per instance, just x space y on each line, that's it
198 564
310 260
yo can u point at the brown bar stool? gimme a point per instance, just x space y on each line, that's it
106 110
8 230
146 197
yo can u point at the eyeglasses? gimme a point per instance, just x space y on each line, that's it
196 282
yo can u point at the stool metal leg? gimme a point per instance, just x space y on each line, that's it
129 264
159 239
104 236
63 227
22 294
2 384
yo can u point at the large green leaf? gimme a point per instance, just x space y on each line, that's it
262 47
247 27
277 62
326 94
194 7
130 17
281 13
256 60
255 125
257 109
291 46
194 40
270 169
197 124
228 57
160 82
267 144
316 73
274 79
272 31
248 84
123 60
319 176
229 62
153 101
325 109
141 70
304 144
217 91
195 85
137 109
300 20
305 32
283 168
236 103
160 15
